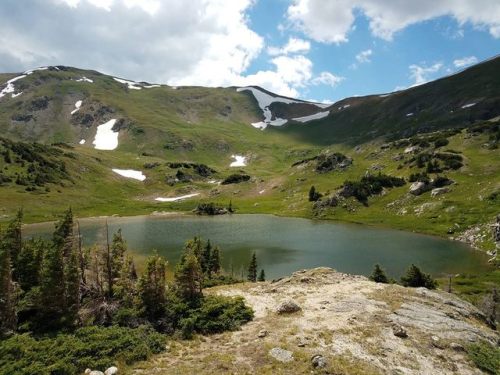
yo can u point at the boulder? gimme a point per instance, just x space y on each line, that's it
318 361
438 191
113 370
287 307
262 333
419 187
96 372
399 331
412 150
281 355
457 347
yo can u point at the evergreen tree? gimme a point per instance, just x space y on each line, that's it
230 208
205 259
63 234
189 278
8 318
124 288
214 265
118 249
378 275
415 278
262 276
313 194
252 269
152 287
29 263
12 240
52 289
56 307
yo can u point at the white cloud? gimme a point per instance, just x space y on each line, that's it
196 42
327 78
364 56
465 61
422 74
294 45
331 21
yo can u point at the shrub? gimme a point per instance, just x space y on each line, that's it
440 142
379 275
485 357
369 185
218 314
415 278
93 347
235 179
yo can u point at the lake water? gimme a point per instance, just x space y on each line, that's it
285 245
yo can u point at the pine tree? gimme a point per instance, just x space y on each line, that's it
8 319
189 278
215 266
252 269
152 287
63 233
262 275
379 275
56 307
52 289
415 278
205 259
124 288
313 194
29 263
12 240
118 249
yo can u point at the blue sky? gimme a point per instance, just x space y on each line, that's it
440 46
322 50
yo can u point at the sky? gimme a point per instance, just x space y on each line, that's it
321 50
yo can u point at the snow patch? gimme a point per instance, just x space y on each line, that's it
264 100
151 86
239 161
468 105
409 114
82 142
16 95
262 191
105 137
78 104
384 95
28 72
85 79
130 173
130 84
9 89
175 199
316 116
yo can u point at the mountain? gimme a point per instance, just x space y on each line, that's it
107 145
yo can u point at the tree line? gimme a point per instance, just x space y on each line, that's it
58 285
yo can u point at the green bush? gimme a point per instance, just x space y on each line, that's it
218 314
415 278
485 357
88 347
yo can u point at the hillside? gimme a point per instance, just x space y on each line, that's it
345 324
136 147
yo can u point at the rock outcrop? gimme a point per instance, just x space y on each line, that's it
346 324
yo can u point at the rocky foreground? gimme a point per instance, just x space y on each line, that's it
326 322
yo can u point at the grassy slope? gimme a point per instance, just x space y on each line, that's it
200 117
